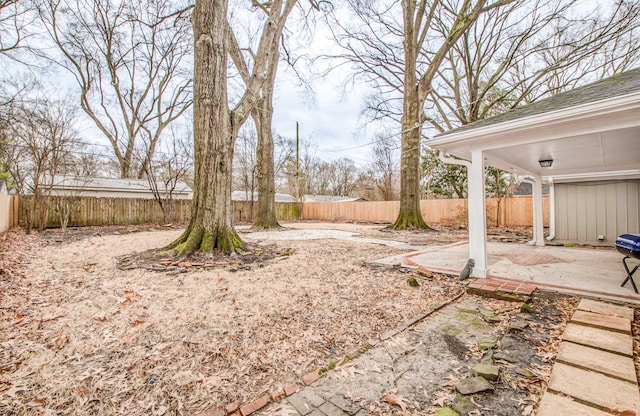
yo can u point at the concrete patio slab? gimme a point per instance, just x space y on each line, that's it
602 339
587 272
603 308
596 389
588 358
596 320
554 405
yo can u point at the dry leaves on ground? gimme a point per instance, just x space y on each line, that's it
80 336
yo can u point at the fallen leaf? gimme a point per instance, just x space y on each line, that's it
442 398
13 391
395 400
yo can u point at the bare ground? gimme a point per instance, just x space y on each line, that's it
80 336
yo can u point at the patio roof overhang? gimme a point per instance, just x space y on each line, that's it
593 140
591 133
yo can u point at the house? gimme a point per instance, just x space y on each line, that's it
249 196
113 188
585 143
330 198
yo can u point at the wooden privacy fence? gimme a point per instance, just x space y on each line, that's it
89 211
8 212
516 211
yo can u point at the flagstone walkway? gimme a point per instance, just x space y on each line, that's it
594 372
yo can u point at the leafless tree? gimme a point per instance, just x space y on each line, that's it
245 166
262 115
14 21
365 186
168 170
66 205
385 165
394 46
297 175
216 123
413 53
131 62
512 56
42 138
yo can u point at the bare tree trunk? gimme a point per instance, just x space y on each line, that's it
216 126
410 216
423 56
266 213
211 225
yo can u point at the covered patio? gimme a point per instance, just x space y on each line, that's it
591 133
588 272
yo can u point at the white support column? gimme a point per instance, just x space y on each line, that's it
538 224
477 215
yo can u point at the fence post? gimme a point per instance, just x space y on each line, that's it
15 211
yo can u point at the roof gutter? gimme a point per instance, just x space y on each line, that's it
452 161
606 106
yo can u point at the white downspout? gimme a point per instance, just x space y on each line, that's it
532 182
552 210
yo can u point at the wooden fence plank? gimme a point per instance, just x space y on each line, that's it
516 211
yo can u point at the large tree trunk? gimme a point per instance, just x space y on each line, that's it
410 216
265 217
262 116
211 225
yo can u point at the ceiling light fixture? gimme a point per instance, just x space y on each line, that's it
546 163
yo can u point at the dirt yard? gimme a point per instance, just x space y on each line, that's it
86 328
80 336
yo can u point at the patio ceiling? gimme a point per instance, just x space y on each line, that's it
590 131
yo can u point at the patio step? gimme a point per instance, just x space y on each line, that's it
608 309
502 288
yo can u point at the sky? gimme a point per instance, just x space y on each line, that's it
330 121
332 124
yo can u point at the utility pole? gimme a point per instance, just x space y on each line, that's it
297 163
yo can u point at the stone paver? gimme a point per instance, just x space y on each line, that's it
331 409
597 360
599 338
605 309
300 404
554 405
595 388
345 404
597 320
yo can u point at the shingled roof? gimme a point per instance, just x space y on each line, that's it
615 86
